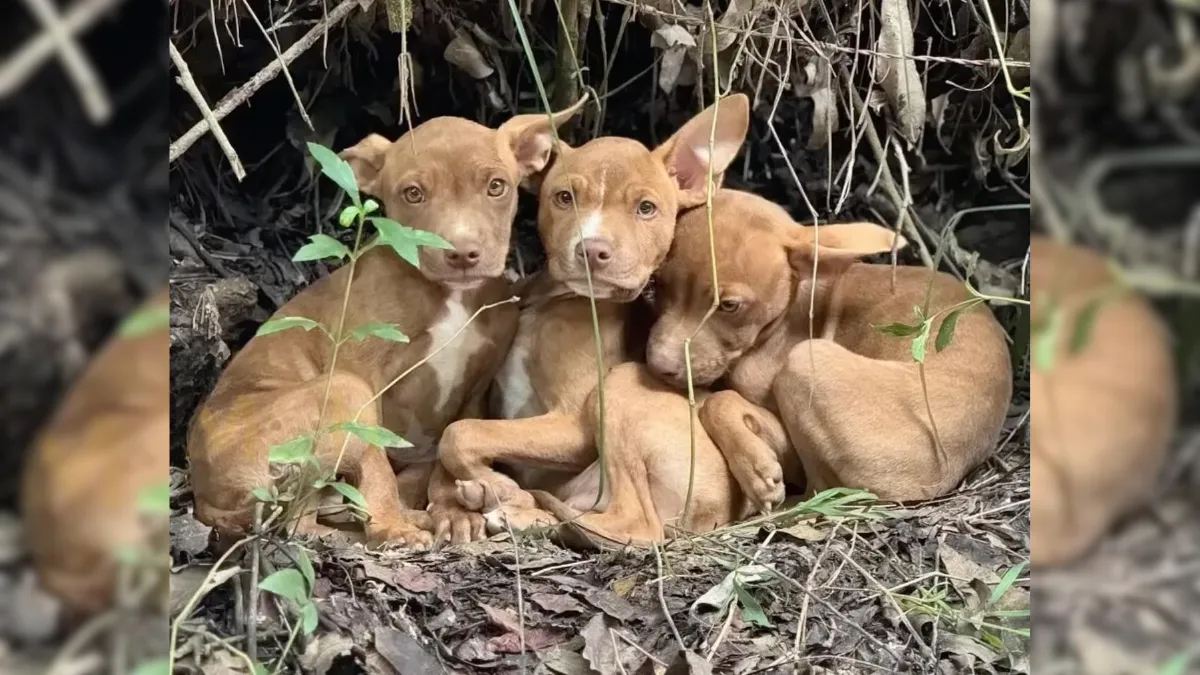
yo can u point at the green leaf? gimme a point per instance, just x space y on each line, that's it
284 323
1086 321
918 344
308 618
752 611
295 451
263 495
1006 582
321 246
405 241
145 320
336 169
370 206
348 214
306 568
430 240
1045 340
946 330
1176 665
396 236
384 331
155 499
155 667
898 329
286 583
375 435
350 492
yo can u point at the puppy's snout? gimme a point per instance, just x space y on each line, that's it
597 251
464 257
664 366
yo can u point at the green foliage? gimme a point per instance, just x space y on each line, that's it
406 241
373 434
145 320
286 322
337 170
296 584
351 493
946 330
296 451
383 331
155 499
155 667
752 611
287 583
321 246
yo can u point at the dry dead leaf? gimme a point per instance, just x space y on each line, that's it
462 53
897 74
415 579
504 619
672 35
612 604
558 603
323 650
805 531
404 653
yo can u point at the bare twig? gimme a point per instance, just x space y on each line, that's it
59 34
188 83
243 93
662 599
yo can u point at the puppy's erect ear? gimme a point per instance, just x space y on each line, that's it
531 137
686 154
366 159
835 247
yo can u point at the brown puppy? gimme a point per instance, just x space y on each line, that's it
610 204
448 176
647 464
849 397
106 444
1100 418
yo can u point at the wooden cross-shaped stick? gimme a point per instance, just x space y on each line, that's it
60 36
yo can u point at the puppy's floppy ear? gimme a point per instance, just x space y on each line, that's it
533 182
835 247
686 153
366 159
531 137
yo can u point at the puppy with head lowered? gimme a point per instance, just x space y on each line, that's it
609 208
828 399
449 176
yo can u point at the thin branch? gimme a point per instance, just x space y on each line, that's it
59 36
188 83
243 93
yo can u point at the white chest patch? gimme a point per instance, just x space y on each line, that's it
515 388
450 364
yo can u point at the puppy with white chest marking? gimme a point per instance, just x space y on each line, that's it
828 400
448 176
609 208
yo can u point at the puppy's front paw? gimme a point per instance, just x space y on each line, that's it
488 495
455 525
398 531
761 479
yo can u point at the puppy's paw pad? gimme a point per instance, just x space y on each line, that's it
402 534
475 495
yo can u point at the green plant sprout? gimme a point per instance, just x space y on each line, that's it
986 616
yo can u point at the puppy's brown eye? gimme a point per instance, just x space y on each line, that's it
414 194
646 208
563 198
730 305
497 188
